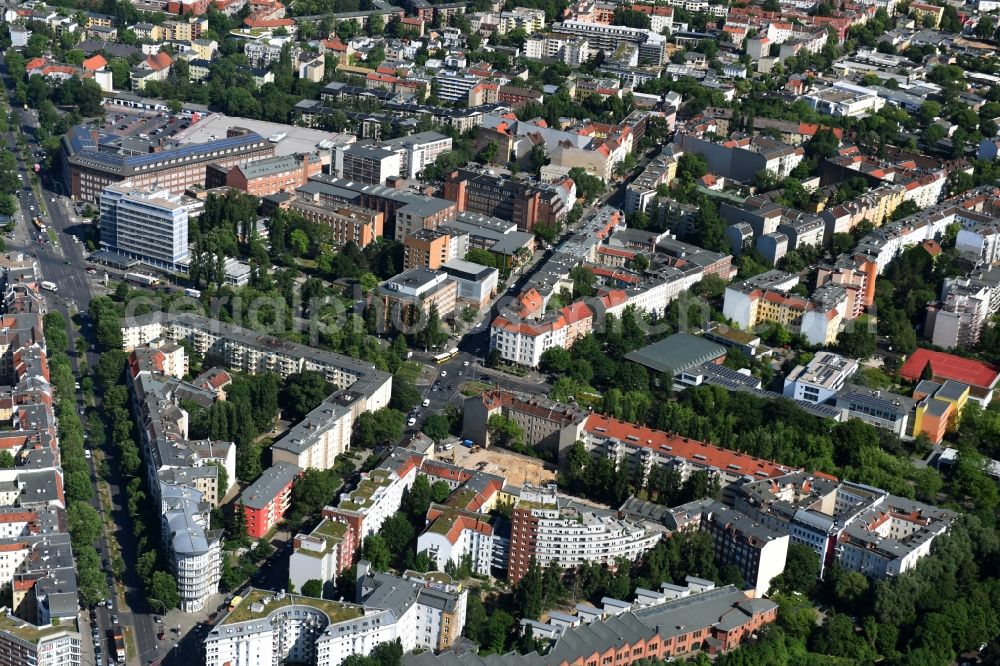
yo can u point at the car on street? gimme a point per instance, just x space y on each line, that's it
426 402
444 373
411 422
114 619
465 364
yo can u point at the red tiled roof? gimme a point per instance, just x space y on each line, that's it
732 462
949 366
575 312
95 63
159 61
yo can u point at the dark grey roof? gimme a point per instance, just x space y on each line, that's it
262 492
677 353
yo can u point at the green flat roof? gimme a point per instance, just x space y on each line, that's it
334 610
28 631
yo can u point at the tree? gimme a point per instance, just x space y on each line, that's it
489 153
405 395
801 570
312 588
372 428
436 426
161 591
856 342
376 552
312 491
529 592
505 432
583 282
302 393
6 459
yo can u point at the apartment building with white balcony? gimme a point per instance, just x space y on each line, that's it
378 495
571 50
268 627
547 528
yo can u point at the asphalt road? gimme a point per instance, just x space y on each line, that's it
64 264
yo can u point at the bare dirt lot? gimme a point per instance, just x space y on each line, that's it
517 469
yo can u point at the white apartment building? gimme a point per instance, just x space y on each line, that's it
456 535
524 342
248 351
820 379
652 46
268 628
148 225
416 151
524 18
967 304
322 436
321 554
891 537
378 494
549 528
51 645
845 100
568 49
367 163
455 87
195 552
980 243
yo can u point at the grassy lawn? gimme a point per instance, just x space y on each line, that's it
409 371
52 236
470 389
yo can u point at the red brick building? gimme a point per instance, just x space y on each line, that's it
268 176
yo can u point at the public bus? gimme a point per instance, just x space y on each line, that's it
444 357
38 223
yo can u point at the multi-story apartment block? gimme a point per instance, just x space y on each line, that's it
183 475
568 49
652 46
347 222
522 18
91 166
758 551
741 157
856 276
248 351
675 624
408 297
765 299
367 163
148 225
265 501
50 645
891 537
268 627
864 529
316 441
378 494
639 192
432 248
547 425
967 305
523 341
496 196
323 553
548 528
284 173
405 211
638 449
820 379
